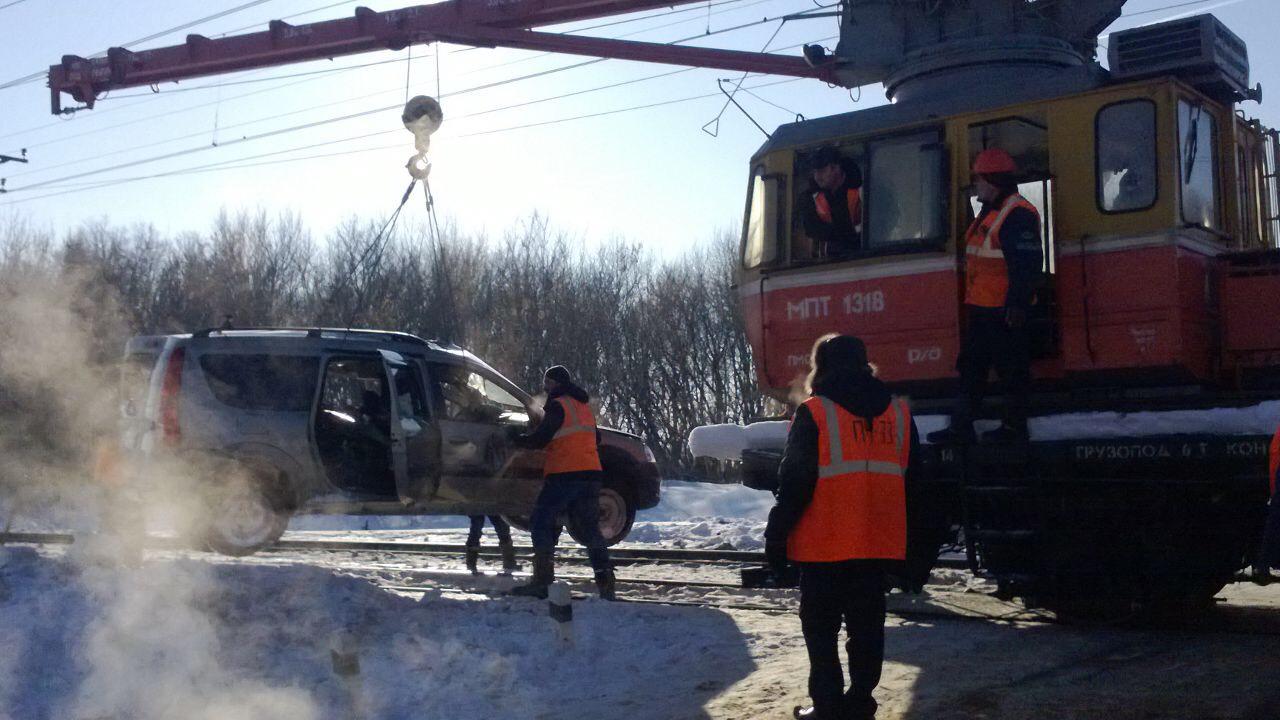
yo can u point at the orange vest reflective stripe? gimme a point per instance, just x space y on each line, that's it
859 506
853 198
573 448
986 273
1275 461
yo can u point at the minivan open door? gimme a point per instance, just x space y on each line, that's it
415 441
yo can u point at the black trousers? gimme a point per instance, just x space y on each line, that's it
500 527
1271 535
849 593
990 343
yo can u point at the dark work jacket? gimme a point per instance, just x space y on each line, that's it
864 396
841 234
1023 252
552 419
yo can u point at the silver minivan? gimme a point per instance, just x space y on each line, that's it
275 421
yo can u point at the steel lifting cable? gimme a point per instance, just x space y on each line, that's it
379 242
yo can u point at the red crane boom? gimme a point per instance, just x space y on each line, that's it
481 23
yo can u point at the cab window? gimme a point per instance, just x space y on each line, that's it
760 233
1125 136
903 193
1197 136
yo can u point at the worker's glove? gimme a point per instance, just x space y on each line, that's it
775 554
1015 317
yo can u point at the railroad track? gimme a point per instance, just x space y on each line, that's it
938 604
569 554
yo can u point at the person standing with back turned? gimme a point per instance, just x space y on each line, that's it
841 515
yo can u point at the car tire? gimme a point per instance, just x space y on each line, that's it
243 515
617 513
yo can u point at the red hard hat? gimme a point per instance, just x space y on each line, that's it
994 161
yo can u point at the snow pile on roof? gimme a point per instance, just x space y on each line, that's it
191 639
1260 419
726 442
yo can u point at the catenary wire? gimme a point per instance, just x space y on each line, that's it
235 164
350 116
316 74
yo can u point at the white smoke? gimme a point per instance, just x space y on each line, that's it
150 649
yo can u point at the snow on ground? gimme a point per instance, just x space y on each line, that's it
705 516
274 636
688 515
229 641
207 638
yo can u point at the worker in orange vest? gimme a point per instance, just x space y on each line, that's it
1004 262
1269 557
833 213
572 479
841 516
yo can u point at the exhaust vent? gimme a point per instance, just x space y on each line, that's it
1200 50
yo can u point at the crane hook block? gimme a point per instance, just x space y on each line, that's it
422 116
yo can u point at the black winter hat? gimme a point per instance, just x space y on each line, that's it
559 374
827 155
845 352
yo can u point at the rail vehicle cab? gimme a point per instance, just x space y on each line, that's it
1159 211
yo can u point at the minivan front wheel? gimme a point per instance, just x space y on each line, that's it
242 517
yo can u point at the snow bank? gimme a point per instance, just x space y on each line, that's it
692 500
379 522
191 639
706 516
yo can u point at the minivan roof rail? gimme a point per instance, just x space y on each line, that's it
315 332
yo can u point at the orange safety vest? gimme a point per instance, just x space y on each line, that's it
986 273
853 199
1275 461
859 506
107 468
573 447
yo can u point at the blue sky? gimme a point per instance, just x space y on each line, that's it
651 175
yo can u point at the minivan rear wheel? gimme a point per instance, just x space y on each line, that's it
616 514
243 517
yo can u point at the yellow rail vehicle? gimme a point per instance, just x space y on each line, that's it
1156 326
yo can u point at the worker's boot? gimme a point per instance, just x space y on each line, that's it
959 432
605 582
543 573
473 558
1005 435
509 564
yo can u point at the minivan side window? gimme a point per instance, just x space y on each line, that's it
279 383
410 399
464 394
